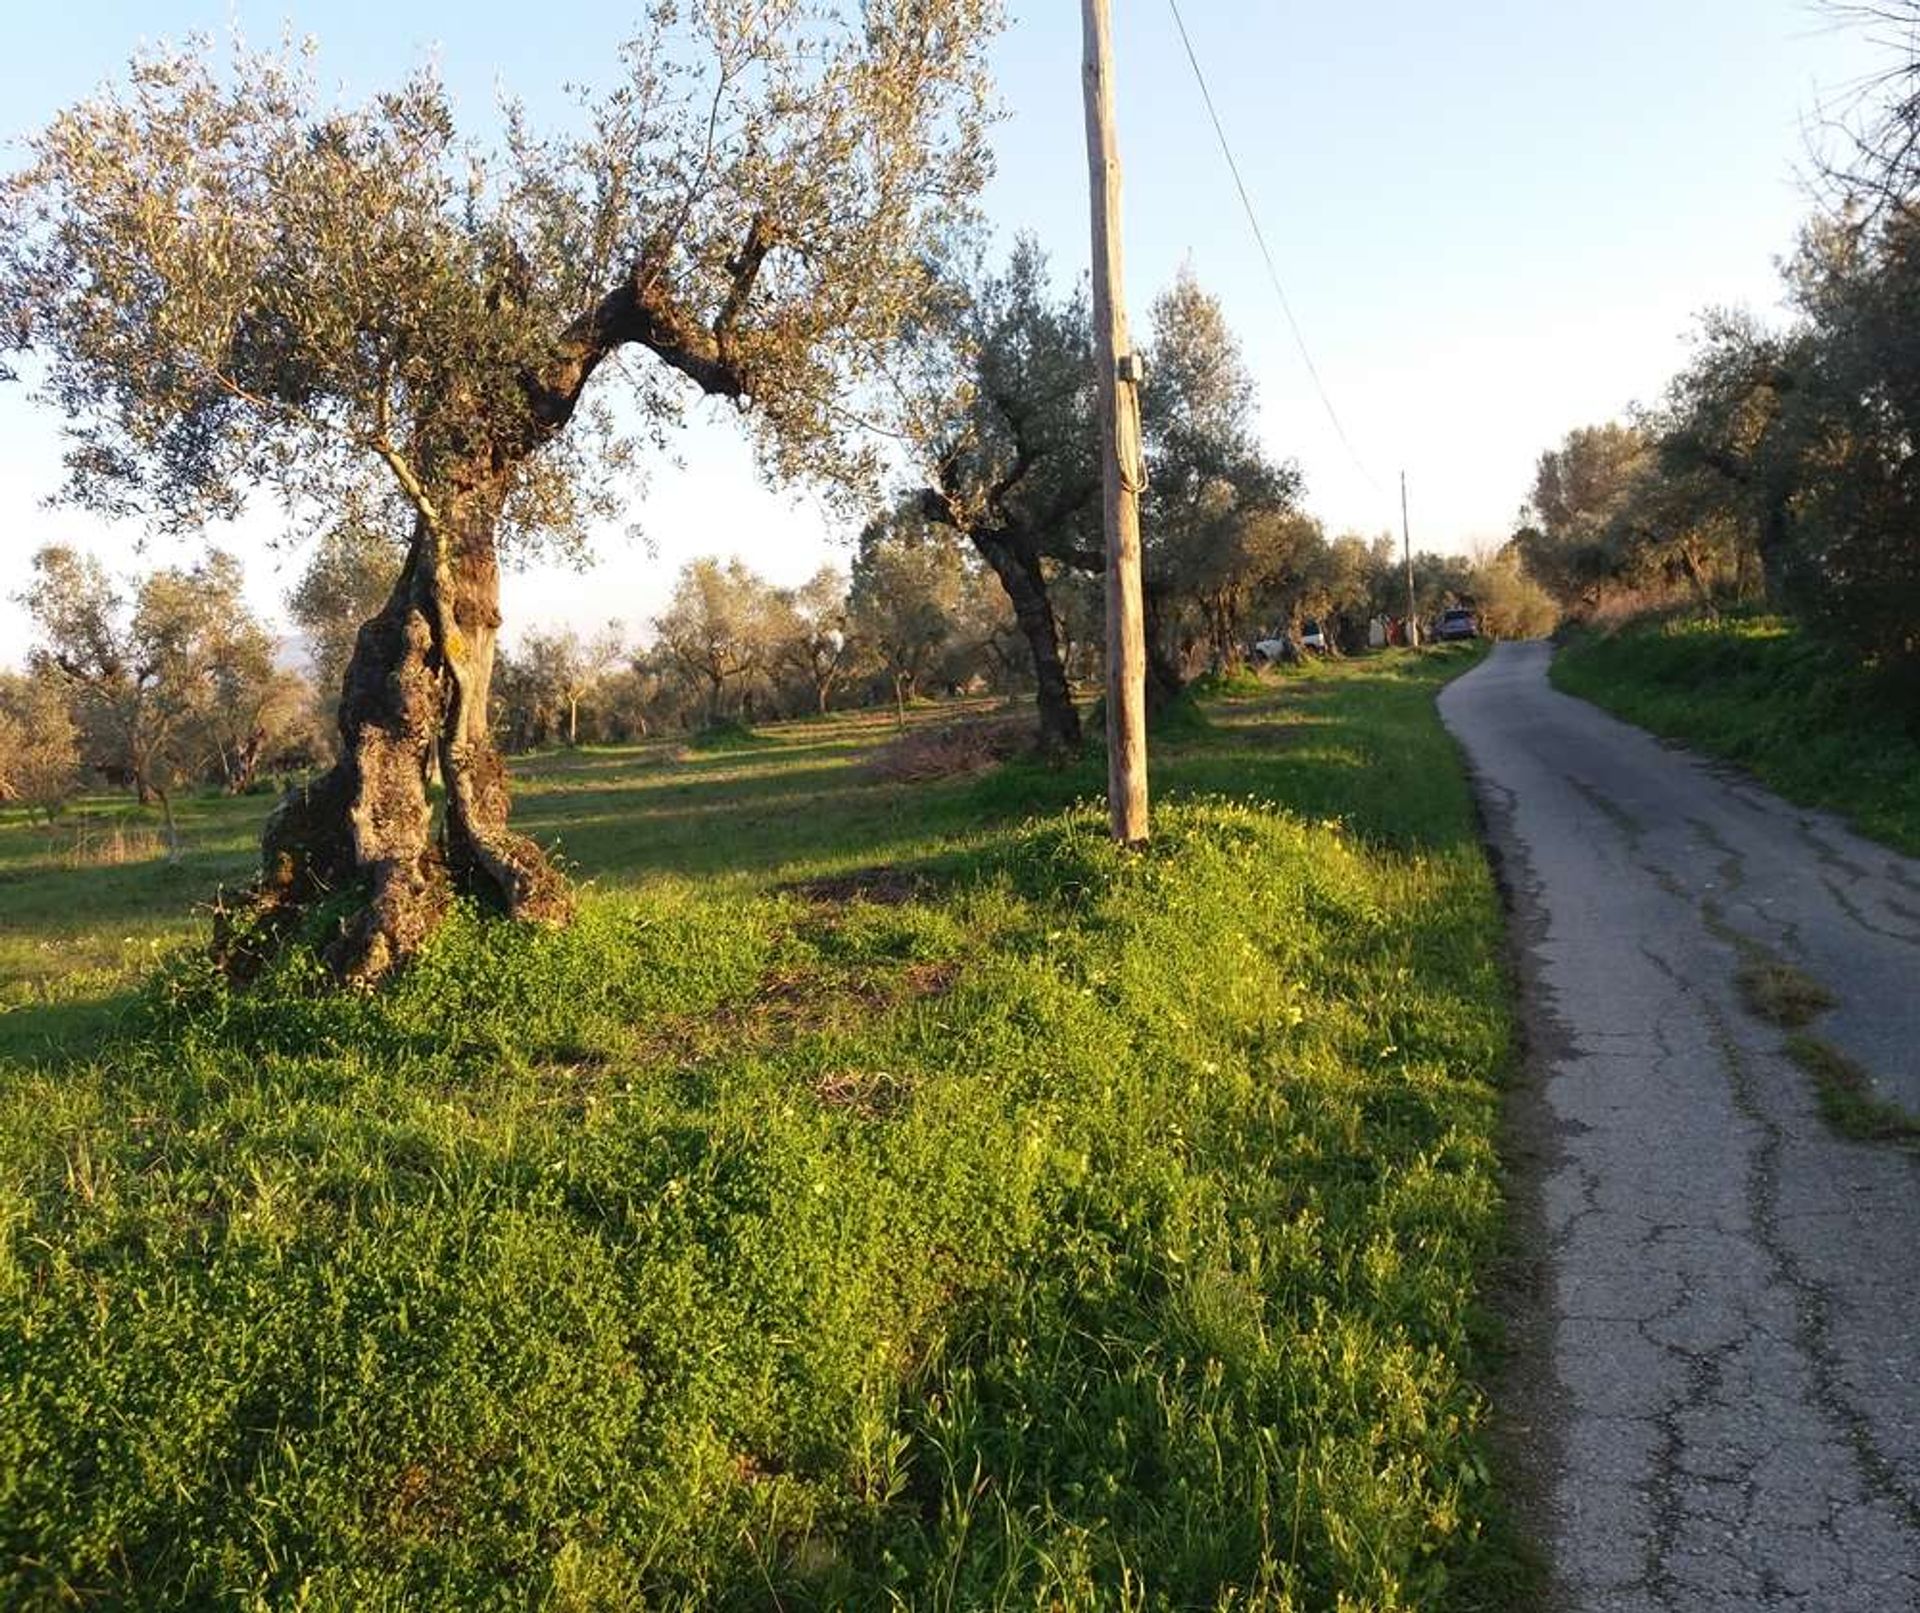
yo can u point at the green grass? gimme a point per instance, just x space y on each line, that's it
728 734
79 930
1048 1227
1804 718
1847 1099
1781 994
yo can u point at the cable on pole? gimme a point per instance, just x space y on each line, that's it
1259 235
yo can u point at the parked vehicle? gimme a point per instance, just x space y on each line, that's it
1313 636
1456 623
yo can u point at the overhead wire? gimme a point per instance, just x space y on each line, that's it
1266 253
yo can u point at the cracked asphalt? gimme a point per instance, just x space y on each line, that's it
1718 1397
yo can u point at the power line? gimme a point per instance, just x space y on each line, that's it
1259 235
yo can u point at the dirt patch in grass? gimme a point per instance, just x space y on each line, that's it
871 1094
1267 735
929 979
786 1005
1848 1102
1781 994
956 750
884 884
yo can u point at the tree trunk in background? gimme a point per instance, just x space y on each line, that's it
1020 573
172 828
1697 576
1223 629
1164 681
143 791
1774 544
244 765
415 694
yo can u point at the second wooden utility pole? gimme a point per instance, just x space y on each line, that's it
1125 465
1406 533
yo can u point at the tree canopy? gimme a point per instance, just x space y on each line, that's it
1016 463
231 283
1219 511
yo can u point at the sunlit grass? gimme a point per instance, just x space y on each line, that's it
1047 1227
1805 717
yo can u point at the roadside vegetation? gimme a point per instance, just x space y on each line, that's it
1847 1099
1804 716
1759 517
883 1193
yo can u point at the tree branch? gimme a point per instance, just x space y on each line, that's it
744 266
642 311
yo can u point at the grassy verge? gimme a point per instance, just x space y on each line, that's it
1755 690
89 904
883 1196
1846 1096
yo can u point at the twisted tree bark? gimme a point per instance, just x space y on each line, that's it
416 689
416 694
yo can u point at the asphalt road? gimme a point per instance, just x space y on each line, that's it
1717 1395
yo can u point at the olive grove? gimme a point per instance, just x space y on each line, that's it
231 285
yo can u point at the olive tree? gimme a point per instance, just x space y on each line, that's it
719 627
39 746
148 672
562 670
1017 465
811 638
907 597
1581 490
1218 512
233 285
254 713
348 575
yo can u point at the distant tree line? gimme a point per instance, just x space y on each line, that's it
984 578
1778 466
914 619
156 684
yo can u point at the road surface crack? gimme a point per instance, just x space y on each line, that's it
1610 809
1858 914
1813 1304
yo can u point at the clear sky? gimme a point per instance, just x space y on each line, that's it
1494 221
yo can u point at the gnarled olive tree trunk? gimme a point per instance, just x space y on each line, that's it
415 695
1019 570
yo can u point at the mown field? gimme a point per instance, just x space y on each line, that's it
886 1195
1803 717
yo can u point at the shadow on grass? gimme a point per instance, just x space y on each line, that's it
1353 742
66 1032
1339 746
53 900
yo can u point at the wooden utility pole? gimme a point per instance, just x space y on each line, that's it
1125 465
1406 534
